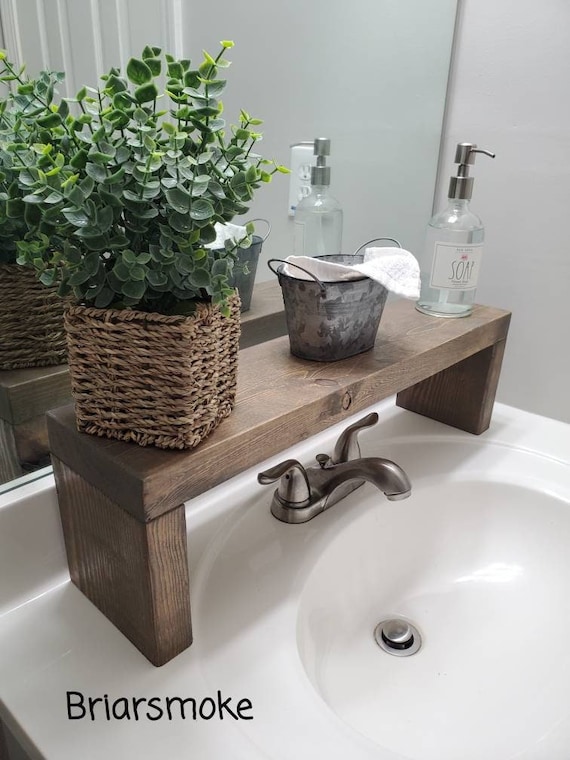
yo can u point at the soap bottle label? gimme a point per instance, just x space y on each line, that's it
456 267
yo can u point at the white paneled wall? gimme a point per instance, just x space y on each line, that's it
85 38
369 74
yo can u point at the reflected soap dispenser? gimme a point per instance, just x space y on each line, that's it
318 216
454 244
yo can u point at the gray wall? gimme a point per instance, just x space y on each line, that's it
509 93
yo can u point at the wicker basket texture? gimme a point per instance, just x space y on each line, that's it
31 321
156 380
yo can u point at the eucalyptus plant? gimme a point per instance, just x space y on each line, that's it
24 110
129 208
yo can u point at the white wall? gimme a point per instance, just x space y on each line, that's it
509 92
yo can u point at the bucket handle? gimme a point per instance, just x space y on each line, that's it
306 271
375 240
265 221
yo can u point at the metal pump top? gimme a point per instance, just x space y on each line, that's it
461 186
321 173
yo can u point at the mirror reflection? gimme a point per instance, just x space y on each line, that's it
372 77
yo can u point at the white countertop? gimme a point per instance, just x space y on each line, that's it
54 641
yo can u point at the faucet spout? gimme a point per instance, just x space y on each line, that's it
386 475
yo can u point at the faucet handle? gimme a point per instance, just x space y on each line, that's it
347 446
293 481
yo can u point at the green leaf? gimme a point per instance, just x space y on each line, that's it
180 222
202 209
122 271
138 72
220 267
96 242
105 219
155 65
192 79
200 277
179 199
134 289
156 279
115 85
129 256
146 93
138 273
15 208
50 120
122 100
119 118
175 70
251 175
79 160
48 277
117 176
96 172
104 298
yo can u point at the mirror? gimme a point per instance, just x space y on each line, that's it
371 75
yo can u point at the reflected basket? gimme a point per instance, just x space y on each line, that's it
31 321
155 380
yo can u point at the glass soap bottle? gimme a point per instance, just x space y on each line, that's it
318 216
454 245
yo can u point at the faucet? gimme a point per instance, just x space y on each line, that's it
303 493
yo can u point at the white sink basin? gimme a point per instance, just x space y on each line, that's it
477 559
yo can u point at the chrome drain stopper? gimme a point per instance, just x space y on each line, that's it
398 637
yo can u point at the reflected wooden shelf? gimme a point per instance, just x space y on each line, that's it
25 397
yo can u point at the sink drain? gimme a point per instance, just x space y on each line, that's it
398 637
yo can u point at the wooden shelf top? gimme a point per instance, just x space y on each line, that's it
281 400
27 393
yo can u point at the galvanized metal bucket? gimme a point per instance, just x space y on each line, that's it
328 321
245 268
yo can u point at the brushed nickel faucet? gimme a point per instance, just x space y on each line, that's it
303 493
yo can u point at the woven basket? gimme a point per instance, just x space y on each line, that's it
31 321
156 380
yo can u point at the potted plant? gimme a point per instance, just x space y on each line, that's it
31 316
128 210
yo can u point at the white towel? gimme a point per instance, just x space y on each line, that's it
224 232
394 268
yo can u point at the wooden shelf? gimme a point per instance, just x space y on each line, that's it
280 401
444 368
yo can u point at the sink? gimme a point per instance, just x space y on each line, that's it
476 559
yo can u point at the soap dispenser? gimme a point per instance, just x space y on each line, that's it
454 244
318 216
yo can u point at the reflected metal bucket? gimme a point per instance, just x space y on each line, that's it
245 267
328 321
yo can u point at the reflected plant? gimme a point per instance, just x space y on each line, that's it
129 203
25 115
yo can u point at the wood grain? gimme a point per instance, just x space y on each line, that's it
462 395
26 393
265 319
136 573
281 401
10 467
